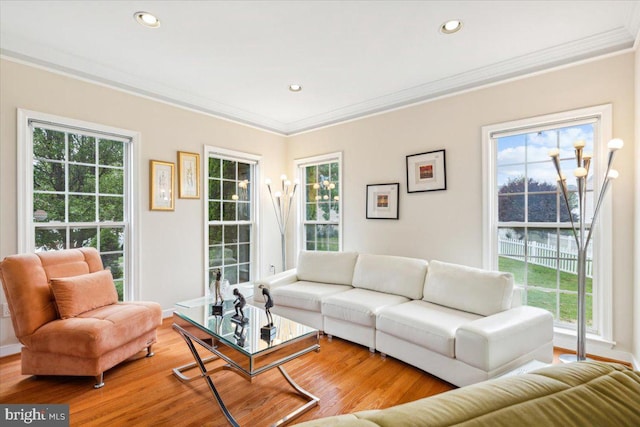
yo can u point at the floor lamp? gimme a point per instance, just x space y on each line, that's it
282 201
582 236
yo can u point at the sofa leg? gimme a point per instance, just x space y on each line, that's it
329 337
99 381
149 352
383 355
372 350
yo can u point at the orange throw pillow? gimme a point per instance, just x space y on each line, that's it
78 294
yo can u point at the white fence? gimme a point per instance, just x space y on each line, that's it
542 254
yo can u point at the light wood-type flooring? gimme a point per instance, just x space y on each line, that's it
143 392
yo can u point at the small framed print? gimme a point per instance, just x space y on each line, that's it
162 181
426 172
188 175
382 201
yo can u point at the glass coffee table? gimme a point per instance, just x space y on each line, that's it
246 349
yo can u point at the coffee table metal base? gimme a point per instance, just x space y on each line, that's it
206 375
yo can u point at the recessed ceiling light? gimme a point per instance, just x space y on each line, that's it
295 88
450 27
147 19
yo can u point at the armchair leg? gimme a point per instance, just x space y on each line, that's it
149 352
99 381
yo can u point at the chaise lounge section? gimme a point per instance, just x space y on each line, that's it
461 324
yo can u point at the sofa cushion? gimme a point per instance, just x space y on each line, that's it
95 332
469 289
78 294
326 267
425 324
305 295
390 274
359 305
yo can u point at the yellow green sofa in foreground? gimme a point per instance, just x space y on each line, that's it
578 394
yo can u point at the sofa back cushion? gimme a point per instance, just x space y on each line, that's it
390 274
326 267
468 289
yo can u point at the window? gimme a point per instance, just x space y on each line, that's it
77 193
321 205
230 224
527 222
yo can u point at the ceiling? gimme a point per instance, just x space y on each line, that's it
236 59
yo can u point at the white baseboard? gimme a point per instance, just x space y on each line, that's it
9 349
594 347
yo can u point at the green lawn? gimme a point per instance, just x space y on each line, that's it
542 288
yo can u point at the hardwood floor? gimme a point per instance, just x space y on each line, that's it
144 392
345 376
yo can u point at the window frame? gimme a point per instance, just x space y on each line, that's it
301 164
255 259
26 230
602 234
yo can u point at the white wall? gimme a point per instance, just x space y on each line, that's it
636 310
171 243
446 225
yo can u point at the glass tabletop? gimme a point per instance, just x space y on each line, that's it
245 335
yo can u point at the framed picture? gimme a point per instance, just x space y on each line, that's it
426 172
382 201
188 175
162 180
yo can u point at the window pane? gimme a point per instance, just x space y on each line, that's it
542 299
214 168
228 189
243 253
229 211
215 234
82 208
244 233
50 239
542 207
510 208
48 207
231 274
111 208
244 212
230 254
48 176
82 149
214 211
83 237
215 256
229 170
111 153
111 181
244 172
214 189
111 239
511 150
115 263
230 234
569 308
48 144
82 179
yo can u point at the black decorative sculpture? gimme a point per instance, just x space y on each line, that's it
268 331
239 304
216 307
240 334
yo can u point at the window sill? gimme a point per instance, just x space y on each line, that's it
567 338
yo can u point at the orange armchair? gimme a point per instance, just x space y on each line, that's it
65 312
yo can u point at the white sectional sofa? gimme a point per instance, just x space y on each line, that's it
461 324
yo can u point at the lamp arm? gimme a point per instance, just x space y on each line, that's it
565 194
